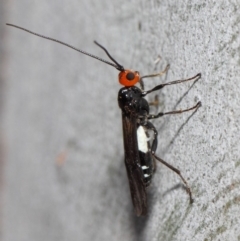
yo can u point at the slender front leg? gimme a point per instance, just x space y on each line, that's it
152 75
179 174
174 112
158 87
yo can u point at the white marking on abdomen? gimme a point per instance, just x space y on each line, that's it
144 167
142 140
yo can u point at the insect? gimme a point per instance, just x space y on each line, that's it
140 157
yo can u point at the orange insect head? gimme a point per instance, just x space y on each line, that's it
128 77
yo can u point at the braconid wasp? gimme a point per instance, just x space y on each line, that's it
140 152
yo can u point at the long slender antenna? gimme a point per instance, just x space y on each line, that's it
110 57
116 65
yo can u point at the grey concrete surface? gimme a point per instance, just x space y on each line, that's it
3 11
64 175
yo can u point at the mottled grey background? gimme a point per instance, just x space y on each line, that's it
62 170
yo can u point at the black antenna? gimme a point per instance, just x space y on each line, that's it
116 65
110 57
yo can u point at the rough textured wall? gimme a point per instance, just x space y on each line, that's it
3 11
64 173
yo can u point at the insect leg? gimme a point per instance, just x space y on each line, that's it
179 174
155 102
174 112
152 75
158 87
141 84
150 126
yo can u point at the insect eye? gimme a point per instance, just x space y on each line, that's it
130 76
